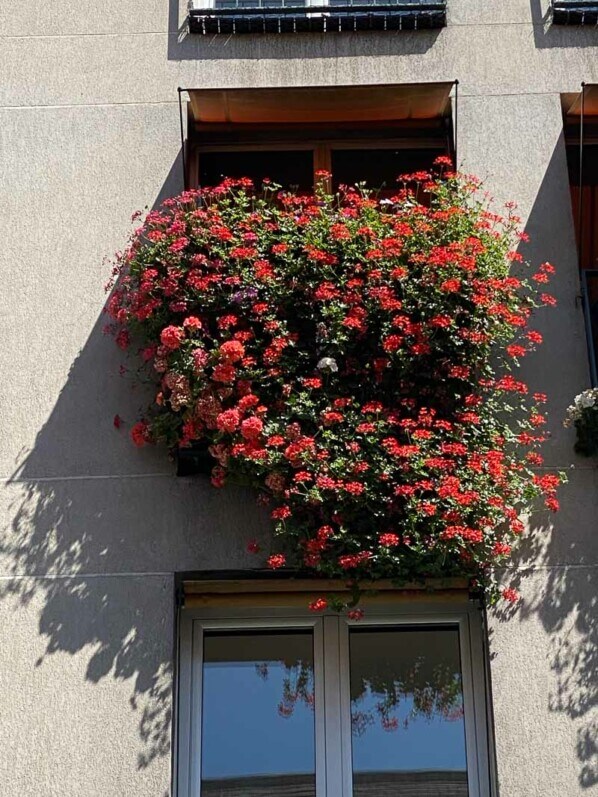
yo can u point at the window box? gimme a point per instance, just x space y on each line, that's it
294 16
277 702
575 12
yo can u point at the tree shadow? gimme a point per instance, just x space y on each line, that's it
98 530
557 561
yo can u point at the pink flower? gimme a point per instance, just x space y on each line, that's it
139 433
276 561
355 614
232 350
228 420
218 477
171 337
319 605
192 323
200 359
251 428
224 373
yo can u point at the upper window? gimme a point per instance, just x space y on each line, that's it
575 12
293 16
275 703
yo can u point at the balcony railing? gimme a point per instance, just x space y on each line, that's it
296 16
575 12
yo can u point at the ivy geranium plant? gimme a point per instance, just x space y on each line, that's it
355 360
583 415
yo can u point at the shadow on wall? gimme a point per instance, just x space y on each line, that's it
183 46
547 35
563 595
80 534
54 534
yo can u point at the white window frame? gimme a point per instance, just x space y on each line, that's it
331 677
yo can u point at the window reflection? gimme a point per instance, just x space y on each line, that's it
407 720
258 719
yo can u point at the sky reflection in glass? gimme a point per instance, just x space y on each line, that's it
258 716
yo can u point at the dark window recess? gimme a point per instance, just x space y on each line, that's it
575 12
589 281
293 169
379 168
587 241
588 246
294 16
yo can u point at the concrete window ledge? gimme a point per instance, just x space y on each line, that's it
575 12
231 16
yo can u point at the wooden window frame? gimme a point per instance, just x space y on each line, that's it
321 141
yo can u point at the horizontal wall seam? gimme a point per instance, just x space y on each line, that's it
171 573
171 474
89 105
100 477
69 576
462 95
176 34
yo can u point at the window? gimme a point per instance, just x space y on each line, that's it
575 12
279 703
359 133
584 202
286 16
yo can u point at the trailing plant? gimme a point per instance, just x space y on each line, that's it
352 359
583 415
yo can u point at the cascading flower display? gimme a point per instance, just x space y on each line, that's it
355 360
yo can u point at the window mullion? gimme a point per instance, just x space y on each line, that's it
345 707
333 714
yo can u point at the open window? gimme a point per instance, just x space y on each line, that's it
358 133
581 136
276 702
365 134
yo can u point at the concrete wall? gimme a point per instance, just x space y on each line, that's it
93 530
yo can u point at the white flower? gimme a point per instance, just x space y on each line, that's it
587 400
327 364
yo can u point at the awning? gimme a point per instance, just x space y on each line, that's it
321 104
586 99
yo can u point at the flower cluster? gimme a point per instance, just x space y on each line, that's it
583 415
352 359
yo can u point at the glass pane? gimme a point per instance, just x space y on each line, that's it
289 168
258 735
408 730
379 167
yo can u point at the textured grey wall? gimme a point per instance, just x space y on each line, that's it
92 530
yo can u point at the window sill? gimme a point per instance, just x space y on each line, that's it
575 12
318 19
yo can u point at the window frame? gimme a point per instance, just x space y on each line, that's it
333 753
321 149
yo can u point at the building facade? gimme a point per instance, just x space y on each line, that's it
96 533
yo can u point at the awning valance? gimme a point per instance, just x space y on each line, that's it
321 104
266 591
